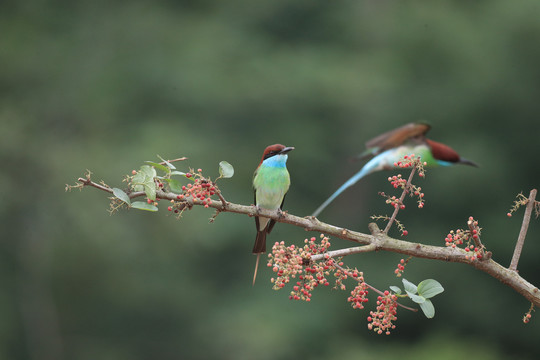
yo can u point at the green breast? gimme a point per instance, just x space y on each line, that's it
271 184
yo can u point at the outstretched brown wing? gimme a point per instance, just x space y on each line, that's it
394 138
397 137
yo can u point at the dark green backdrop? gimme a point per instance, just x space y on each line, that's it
105 85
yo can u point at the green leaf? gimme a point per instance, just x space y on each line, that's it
137 181
428 308
409 286
395 289
429 288
176 172
226 170
120 194
416 298
175 185
159 166
144 181
143 206
169 165
149 171
150 190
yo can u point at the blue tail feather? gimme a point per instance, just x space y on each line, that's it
370 166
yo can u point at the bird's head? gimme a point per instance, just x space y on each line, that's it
276 149
446 154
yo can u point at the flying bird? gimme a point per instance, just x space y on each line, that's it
271 182
390 147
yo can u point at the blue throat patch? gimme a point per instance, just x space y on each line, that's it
276 161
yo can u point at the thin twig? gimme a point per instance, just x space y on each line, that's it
174 160
87 182
402 197
523 231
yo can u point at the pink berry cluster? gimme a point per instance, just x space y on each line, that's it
294 262
359 293
413 161
477 253
414 191
470 238
381 320
285 262
410 161
397 181
417 192
200 190
341 274
401 266
456 238
394 201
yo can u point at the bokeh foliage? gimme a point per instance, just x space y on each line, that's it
106 85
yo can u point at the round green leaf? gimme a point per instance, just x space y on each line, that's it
120 194
428 308
226 170
429 288
144 181
150 190
416 298
175 185
148 171
409 286
395 289
137 181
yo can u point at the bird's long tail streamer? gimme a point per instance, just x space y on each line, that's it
256 267
368 168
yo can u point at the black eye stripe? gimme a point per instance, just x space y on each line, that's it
271 153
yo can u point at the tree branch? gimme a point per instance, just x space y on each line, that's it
345 252
377 240
523 231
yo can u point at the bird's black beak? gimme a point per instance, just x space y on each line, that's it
467 162
287 149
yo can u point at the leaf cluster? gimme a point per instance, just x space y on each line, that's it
421 294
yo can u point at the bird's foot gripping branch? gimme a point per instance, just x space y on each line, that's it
313 265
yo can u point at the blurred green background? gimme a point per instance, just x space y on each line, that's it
105 85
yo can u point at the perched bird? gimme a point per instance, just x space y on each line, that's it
271 182
391 146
